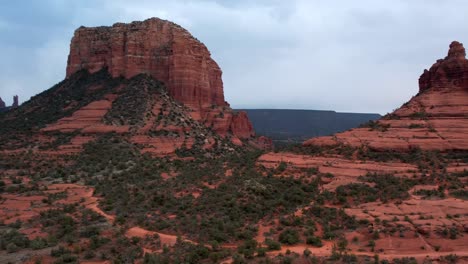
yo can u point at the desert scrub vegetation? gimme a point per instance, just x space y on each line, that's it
431 194
356 193
184 252
334 221
375 126
61 100
385 187
135 101
11 240
132 188
421 115
388 186
413 126
461 194
59 138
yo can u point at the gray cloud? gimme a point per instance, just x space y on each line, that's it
362 56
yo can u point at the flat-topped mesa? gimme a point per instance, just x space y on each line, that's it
157 47
450 72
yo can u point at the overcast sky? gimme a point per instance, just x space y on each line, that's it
350 56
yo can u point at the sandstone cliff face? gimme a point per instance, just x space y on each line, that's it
241 126
170 54
435 119
156 47
448 73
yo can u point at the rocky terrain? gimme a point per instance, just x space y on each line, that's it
405 175
435 119
136 158
150 80
111 112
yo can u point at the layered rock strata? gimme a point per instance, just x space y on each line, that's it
170 54
435 119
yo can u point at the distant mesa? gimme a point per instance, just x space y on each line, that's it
286 126
435 119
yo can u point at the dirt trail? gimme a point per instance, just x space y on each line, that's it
91 202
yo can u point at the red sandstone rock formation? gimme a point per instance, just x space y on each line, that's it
241 126
14 105
157 47
15 102
170 54
435 119
450 72
263 142
87 119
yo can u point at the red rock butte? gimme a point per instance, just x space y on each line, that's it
435 119
448 73
170 54
157 47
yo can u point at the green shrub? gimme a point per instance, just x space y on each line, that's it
38 243
13 240
289 236
272 245
314 241
461 194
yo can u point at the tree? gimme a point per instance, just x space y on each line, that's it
314 241
272 245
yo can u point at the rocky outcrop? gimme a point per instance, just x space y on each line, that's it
170 54
264 143
15 102
450 72
241 126
435 119
3 106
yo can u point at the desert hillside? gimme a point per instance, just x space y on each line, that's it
136 157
